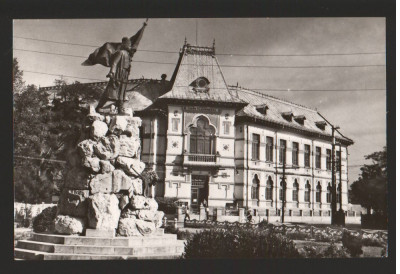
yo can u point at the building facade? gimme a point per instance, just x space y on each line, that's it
226 145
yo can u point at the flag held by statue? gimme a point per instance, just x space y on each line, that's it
103 55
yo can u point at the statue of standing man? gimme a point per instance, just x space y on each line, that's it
117 56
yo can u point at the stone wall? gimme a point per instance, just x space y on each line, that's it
103 189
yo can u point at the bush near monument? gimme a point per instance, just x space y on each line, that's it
239 243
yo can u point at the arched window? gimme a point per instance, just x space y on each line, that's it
268 190
307 192
281 191
329 193
202 137
318 193
295 196
255 188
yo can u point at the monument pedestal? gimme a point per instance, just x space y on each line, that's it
99 233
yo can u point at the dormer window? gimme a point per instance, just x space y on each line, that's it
262 109
200 84
288 116
300 119
321 125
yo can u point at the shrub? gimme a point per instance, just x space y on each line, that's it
334 251
352 243
239 243
44 221
372 242
297 235
167 205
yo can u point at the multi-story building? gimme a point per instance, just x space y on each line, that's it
227 145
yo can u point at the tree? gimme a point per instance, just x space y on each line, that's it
370 190
18 84
48 131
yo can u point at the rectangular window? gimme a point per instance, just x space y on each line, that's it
175 124
282 151
227 127
307 155
328 159
338 160
269 149
317 157
295 154
256 147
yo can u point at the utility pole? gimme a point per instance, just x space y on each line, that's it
333 200
340 216
284 167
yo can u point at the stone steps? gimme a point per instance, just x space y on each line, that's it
23 254
72 247
175 247
165 239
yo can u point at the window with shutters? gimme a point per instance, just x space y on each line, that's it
295 192
318 193
338 160
307 155
175 124
255 147
268 190
329 193
307 192
295 154
328 159
282 151
317 157
227 127
269 149
255 188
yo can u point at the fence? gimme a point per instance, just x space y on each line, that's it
310 230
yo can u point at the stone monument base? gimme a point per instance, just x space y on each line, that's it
72 247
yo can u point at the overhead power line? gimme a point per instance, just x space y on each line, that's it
250 89
236 66
222 54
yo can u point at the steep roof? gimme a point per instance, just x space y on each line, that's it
279 112
194 63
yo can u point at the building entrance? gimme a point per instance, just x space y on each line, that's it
199 192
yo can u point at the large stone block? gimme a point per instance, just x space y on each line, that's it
131 166
107 148
137 186
145 228
69 225
123 201
106 166
118 124
127 212
127 228
103 211
120 181
129 146
151 216
98 129
77 178
93 163
141 202
73 203
85 148
132 129
102 183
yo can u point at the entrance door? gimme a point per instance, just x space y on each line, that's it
199 191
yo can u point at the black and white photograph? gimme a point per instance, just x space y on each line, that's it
200 138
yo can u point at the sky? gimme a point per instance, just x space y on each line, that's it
361 114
